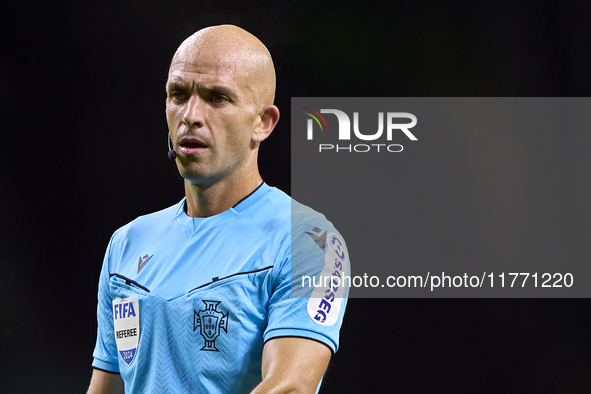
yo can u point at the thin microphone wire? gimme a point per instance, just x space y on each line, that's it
171 152
176 170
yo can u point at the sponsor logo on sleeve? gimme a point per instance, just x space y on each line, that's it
126 320
319 239
324 305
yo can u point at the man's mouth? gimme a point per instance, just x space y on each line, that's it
191 146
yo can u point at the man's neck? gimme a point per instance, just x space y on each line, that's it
205 201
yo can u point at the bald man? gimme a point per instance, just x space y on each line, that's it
207 296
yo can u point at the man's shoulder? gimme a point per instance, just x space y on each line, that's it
279 212
283 206
302 216
149 221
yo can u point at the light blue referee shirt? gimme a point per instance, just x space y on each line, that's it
186 304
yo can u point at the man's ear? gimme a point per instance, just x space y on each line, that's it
269 116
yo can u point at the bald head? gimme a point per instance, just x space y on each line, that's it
231 50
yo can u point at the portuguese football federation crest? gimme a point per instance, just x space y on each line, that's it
210 321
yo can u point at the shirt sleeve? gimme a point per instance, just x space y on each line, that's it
309 295
105 351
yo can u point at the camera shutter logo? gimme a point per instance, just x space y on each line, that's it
388 124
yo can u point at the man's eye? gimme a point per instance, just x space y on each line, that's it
177 96
218 99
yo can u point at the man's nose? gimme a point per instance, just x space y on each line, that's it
193 116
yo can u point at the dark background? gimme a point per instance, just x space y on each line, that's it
84 152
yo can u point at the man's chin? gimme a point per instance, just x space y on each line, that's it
198 178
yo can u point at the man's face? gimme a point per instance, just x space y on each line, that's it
211 110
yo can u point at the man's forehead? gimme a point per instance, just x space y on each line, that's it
210 66
209 61
187 73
